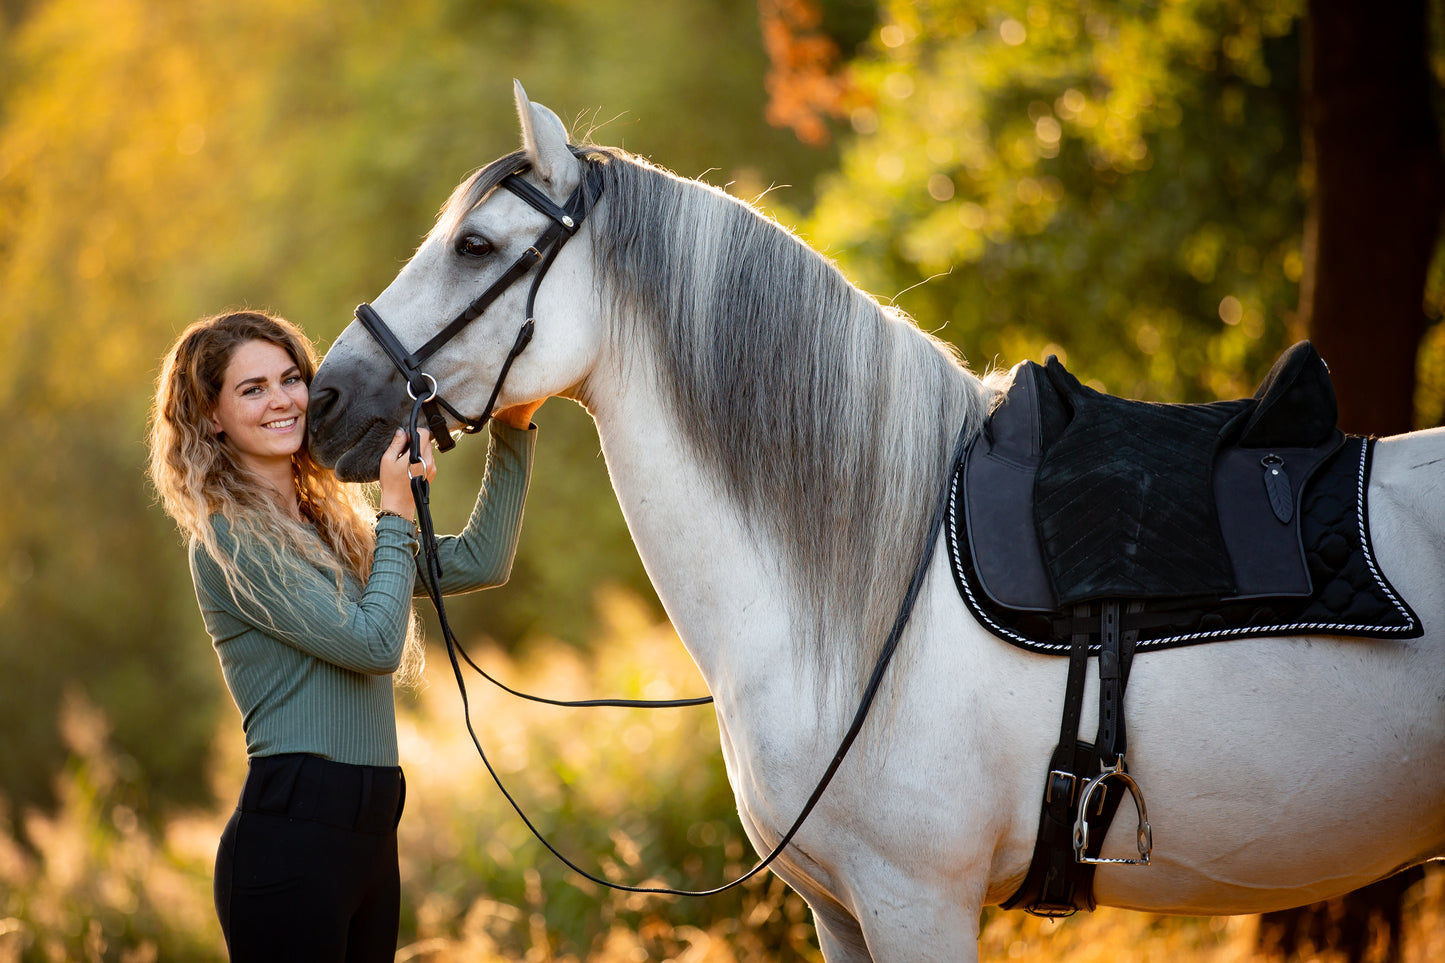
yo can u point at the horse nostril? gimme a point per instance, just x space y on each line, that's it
322 401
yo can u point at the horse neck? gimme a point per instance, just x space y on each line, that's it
791 486
719 580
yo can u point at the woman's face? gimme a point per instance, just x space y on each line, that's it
261 411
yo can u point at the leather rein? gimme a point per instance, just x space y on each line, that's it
426 401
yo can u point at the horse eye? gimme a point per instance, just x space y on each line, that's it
473 245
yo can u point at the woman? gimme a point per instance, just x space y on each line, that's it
306 592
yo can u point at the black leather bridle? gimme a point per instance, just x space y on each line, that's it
422 387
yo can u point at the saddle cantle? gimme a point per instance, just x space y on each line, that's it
1085 524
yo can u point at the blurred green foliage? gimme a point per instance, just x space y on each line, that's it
1115 182
160 162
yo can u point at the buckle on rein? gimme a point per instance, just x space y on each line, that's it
1145 836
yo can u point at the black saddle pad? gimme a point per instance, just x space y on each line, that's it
1347 594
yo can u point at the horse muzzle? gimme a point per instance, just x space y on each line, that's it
349 433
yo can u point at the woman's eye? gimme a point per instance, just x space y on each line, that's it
473 245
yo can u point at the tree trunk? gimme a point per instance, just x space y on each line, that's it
1372 156
1373 160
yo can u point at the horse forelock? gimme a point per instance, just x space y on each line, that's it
475 189
478 187
829 418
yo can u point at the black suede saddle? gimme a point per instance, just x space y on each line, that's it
1210 521
1082 524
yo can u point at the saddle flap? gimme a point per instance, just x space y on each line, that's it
998 502
1265 550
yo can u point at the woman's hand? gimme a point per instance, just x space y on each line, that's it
519 416
396 470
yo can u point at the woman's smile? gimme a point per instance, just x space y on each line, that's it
261 411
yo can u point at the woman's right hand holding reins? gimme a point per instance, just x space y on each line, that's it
396 471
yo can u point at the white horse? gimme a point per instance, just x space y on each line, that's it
777 441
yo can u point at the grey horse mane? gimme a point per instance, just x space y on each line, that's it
828 417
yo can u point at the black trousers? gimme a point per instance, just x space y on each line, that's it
307 866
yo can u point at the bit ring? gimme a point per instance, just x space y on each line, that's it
412 394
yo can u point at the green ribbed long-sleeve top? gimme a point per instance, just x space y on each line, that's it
311 675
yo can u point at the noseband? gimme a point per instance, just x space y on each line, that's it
421 386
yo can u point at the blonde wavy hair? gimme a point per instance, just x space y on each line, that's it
198 476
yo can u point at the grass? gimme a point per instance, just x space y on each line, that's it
634 796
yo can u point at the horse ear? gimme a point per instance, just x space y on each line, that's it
545 141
